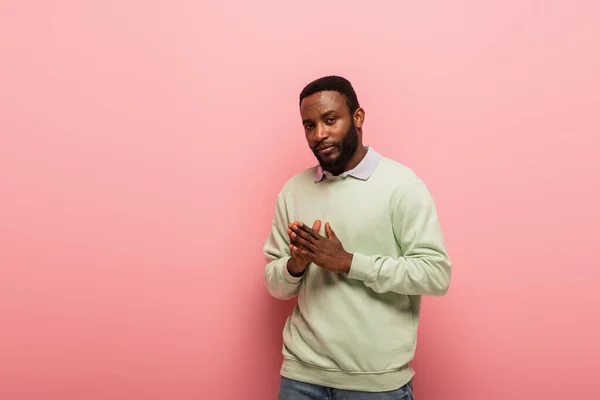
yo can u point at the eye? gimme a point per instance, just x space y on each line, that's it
308 127
331 120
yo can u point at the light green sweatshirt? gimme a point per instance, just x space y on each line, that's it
358 331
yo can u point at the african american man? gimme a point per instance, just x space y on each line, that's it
357 239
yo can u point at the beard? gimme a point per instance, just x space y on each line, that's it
345 150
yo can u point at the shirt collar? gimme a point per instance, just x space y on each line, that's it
362 171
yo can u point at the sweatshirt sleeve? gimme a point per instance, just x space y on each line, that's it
279 282
424 267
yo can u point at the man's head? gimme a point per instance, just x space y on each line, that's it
332 120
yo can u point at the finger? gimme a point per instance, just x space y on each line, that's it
317 225
294 250
302 252
308 230
301 242
303 234
291 226
330 233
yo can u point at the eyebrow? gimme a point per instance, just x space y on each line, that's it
324 115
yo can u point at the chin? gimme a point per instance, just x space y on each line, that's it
332 159
332 166
329 161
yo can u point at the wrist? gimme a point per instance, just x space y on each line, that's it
347 262
293 269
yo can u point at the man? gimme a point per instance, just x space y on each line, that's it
357 240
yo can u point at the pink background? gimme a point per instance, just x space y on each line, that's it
142 144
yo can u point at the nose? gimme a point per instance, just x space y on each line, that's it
321 133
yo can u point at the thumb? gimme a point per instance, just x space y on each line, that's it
330 233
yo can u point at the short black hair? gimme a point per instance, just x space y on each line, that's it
335 83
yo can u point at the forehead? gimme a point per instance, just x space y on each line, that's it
317 104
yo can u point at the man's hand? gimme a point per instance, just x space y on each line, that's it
298 262
328 252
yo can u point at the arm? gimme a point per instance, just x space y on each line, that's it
278 280
424 268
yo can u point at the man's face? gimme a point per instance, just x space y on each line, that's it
330 129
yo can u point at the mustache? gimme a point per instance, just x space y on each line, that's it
324 145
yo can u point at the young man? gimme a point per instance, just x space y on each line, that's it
357 240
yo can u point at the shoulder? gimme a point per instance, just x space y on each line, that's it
405 183
298 181
397 175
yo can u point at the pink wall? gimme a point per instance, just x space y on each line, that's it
142 145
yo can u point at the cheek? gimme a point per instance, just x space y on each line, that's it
310 140
338 134
311 137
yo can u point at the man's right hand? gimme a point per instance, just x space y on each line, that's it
297 264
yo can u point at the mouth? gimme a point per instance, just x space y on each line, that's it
325 150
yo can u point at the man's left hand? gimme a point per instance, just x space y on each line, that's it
327 252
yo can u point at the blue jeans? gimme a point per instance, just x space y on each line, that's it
294 390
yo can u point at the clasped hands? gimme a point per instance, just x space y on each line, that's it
307 245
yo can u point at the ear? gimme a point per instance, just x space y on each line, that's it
359 117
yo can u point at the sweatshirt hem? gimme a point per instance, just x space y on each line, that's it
338 379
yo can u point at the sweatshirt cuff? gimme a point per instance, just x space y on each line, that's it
360 268
285 274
